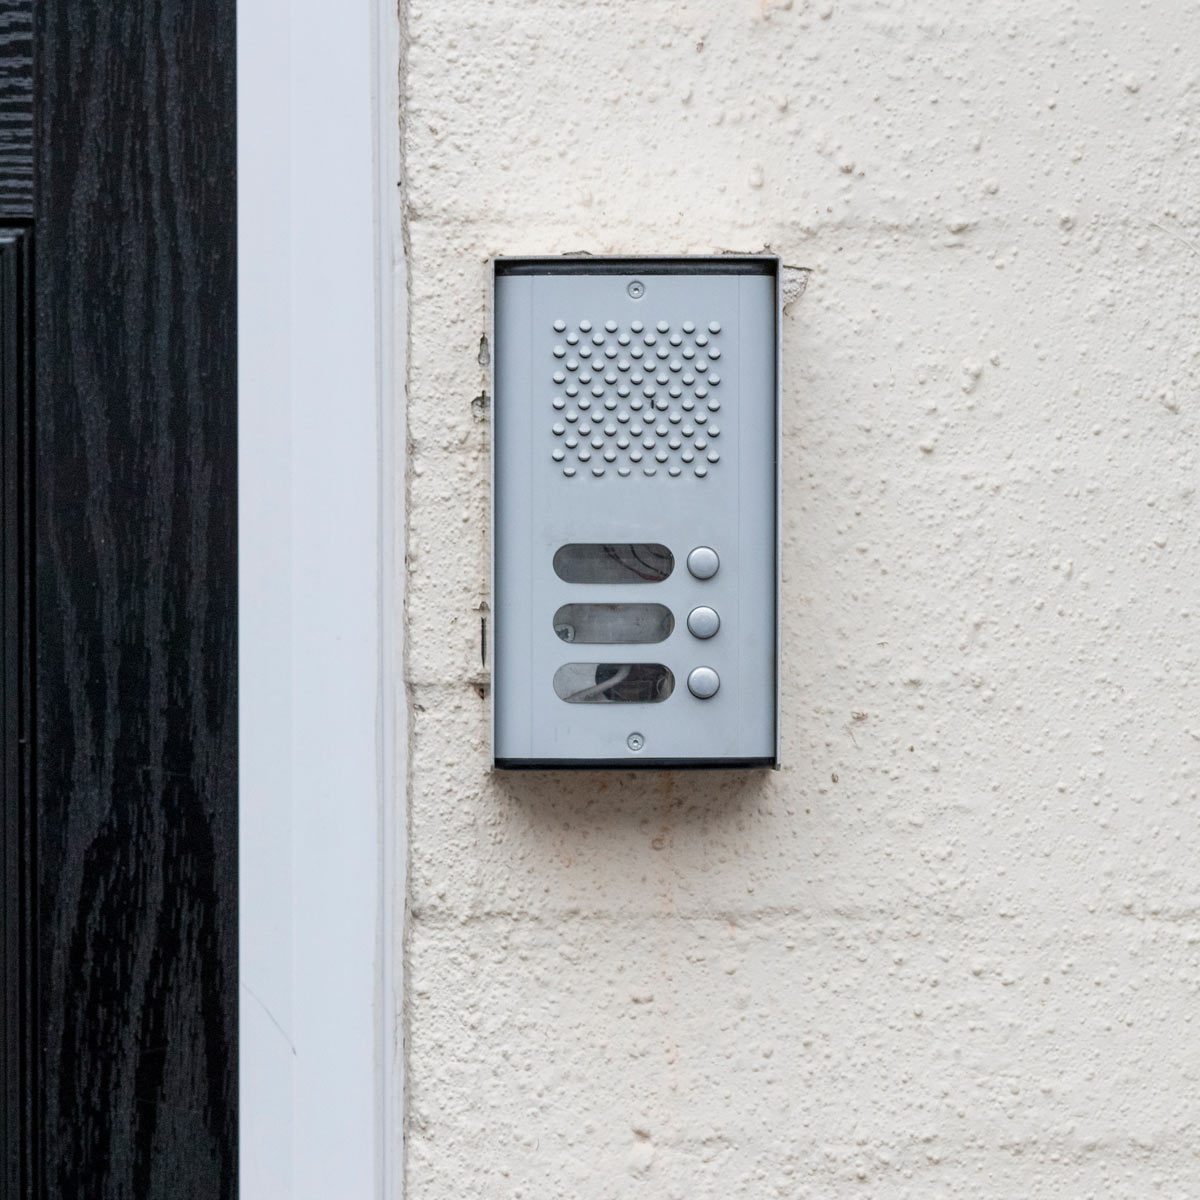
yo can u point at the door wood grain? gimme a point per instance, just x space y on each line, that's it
135 599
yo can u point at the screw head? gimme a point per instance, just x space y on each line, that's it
635 741
636 290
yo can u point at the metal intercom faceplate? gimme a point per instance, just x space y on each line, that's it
635 512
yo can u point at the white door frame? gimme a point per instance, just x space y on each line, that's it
322 722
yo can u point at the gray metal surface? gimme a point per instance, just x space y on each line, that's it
704 622
632 416
703 562
704 683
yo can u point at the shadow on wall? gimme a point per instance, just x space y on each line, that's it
614 798
660 843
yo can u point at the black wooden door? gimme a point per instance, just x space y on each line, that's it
118 472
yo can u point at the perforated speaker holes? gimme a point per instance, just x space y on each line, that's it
635 399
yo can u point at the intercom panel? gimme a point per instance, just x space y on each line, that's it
635 512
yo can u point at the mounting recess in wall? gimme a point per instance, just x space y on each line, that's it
635 474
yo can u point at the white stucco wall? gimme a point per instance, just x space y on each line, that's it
952 949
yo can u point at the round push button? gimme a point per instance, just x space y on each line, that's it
703 622
703 682
703 562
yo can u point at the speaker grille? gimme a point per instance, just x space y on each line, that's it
635 399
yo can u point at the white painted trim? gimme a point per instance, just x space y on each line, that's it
321 717
392 339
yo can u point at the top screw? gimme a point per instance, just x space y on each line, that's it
636 290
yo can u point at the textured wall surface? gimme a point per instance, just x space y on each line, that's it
952 949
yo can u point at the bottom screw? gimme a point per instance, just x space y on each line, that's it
635 741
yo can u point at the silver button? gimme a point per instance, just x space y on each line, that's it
703 562
703 682
703 622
